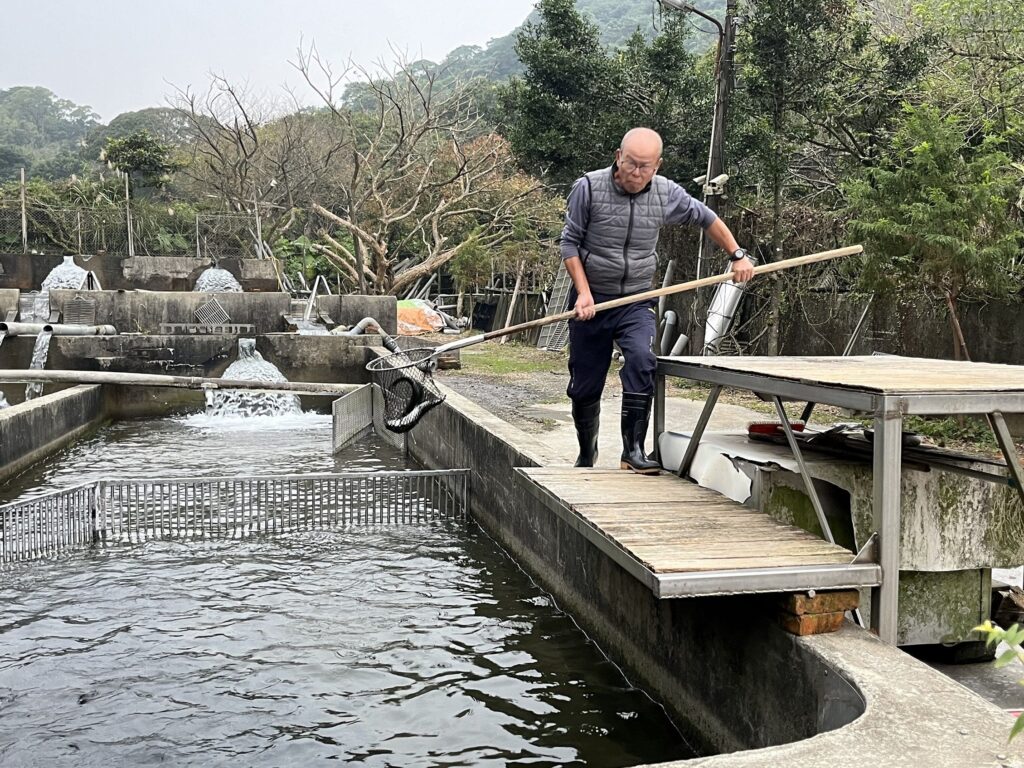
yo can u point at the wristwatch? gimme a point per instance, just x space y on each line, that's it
738 255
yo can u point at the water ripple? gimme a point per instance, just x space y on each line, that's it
411 646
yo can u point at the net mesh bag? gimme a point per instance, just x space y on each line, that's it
405 380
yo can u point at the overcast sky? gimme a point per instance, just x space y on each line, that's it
116 55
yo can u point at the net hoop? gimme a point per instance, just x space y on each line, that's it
408 388
419 357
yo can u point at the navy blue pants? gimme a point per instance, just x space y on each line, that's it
632 327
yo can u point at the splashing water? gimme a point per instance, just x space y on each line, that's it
66 275
35 307
250 366
217 280
310 328
39 353
3 402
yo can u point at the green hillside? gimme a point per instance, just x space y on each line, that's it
617 20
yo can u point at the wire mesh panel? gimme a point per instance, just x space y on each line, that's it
227 235
352 417
81 310
132 511
163 232
48 525
77 230
10 226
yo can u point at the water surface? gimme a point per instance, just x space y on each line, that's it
404 645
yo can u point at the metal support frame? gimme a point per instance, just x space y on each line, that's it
887 489
889 409
1005 440
659 414
805 415
698 432
819 510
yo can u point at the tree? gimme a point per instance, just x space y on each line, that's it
983 70
940 215
575 100
34 118
147 161
554 115
42 131
790 53
12 160
417 179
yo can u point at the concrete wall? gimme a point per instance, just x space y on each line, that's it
26 272
144 311
953 530
330 359
349 310
33 430
766 691
727 674
8 300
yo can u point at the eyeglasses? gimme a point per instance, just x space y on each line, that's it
631 166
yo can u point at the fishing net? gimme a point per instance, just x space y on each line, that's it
405 380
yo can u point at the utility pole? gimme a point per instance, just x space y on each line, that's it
712 182
714 190
24 216
128 217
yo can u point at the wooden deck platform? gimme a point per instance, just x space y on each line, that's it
682 540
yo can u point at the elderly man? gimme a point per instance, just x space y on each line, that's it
608 246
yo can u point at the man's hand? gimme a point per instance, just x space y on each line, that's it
742 271
584 306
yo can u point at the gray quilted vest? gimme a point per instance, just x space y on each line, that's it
619 250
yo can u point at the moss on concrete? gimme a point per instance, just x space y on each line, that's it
956 601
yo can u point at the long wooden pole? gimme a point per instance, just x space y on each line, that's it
176 382
775 266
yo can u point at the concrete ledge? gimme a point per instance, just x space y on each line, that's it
146 311
33 430
151 273
913 716
350 309
727 673
328 358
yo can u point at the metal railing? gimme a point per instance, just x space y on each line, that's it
133 511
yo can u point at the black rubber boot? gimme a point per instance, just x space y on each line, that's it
636 413
587 418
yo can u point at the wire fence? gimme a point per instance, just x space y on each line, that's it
127 231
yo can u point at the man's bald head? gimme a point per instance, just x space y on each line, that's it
642 141
638 159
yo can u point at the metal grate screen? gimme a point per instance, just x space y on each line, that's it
212 313
554 337
81 310
132 511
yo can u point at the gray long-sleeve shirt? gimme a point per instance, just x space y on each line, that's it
680 208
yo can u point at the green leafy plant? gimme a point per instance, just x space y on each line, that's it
937 216
1013 637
